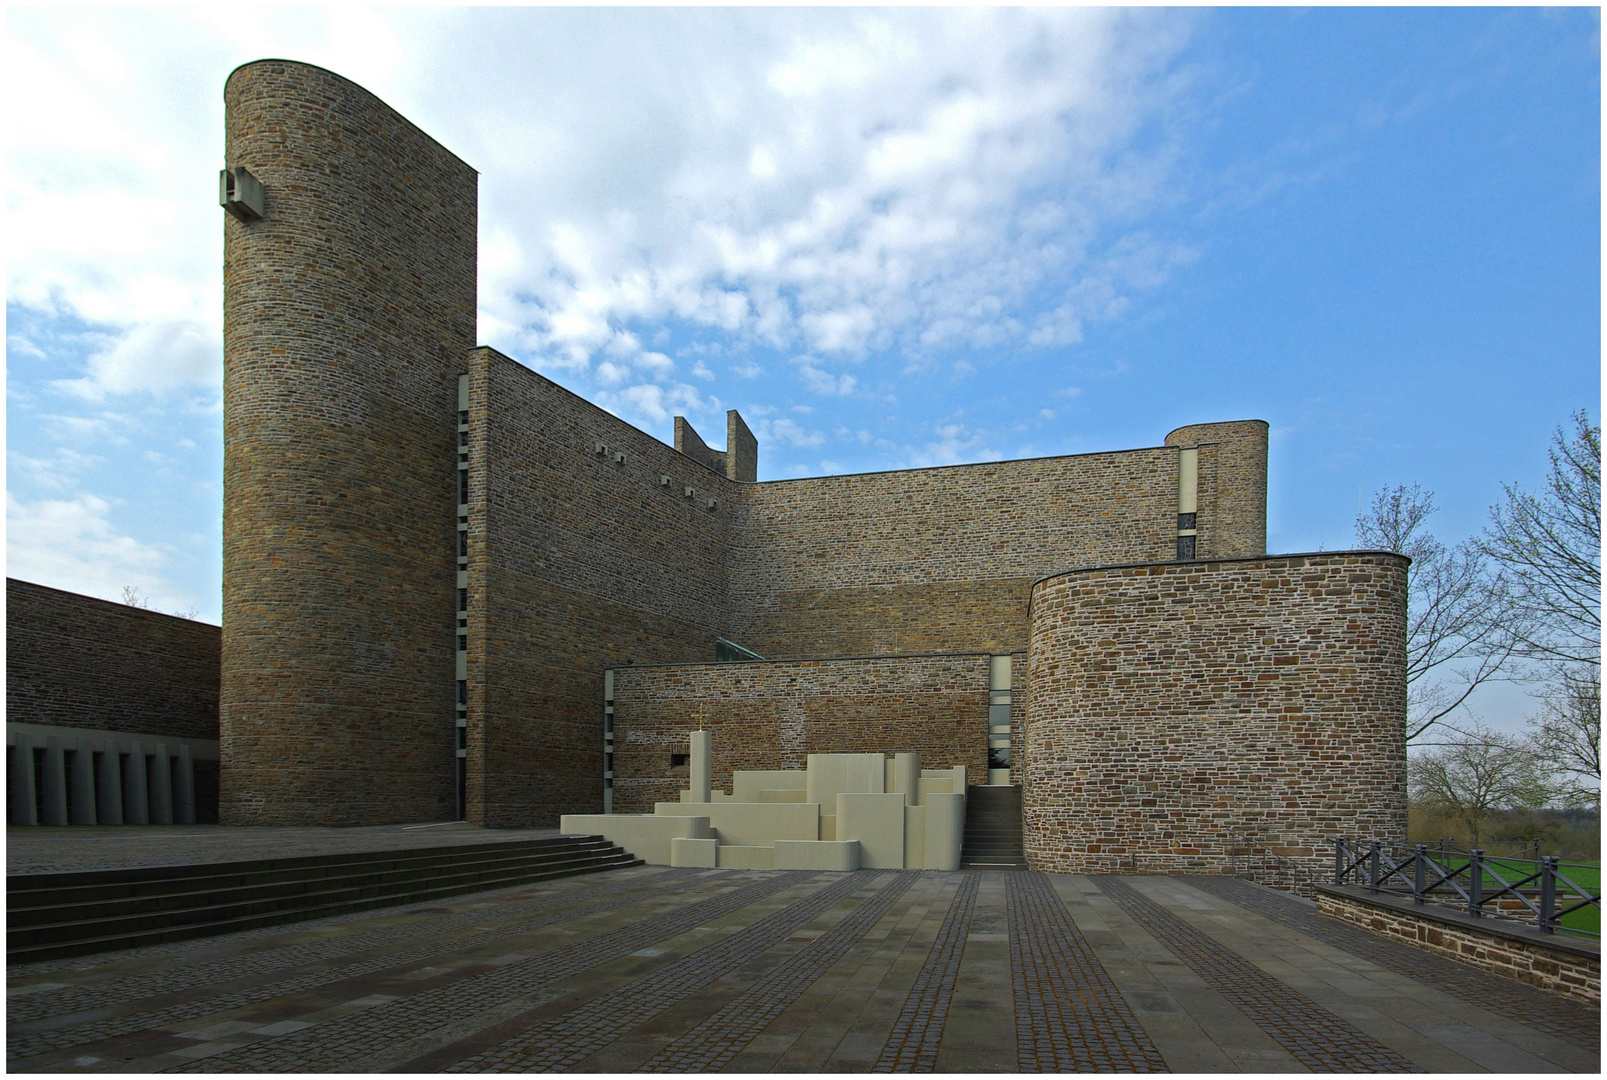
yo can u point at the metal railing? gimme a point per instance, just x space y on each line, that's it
1464 879
1254 860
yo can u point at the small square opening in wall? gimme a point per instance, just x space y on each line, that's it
620 458
680 761
690 492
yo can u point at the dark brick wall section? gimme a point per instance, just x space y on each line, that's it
741 450
348 313
74 661
690 443
577 562
1177 708
773 714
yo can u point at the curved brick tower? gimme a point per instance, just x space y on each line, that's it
349 308
1231 472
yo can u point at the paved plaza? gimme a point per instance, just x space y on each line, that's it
674 970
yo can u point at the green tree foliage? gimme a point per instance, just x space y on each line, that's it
1474 775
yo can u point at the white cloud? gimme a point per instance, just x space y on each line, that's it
154 357
72 545
789 432
823 382
841 181
955 444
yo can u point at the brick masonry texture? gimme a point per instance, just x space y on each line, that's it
1176 709
1526 962
1573 1022
74 661
927 560
1232 497
773 714
348 313
577 562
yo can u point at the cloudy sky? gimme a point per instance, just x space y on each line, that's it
891 238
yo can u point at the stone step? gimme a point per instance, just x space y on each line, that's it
188 912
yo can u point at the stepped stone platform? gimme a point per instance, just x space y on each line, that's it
47 850
167 891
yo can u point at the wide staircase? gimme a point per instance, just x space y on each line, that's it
70 914
993 829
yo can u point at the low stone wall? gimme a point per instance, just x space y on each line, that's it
773 714
1553 962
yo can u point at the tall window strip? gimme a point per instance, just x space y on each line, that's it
461 614
999 728
608 741
1188 488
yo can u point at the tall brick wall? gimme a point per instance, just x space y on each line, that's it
348 313
937 559
773 714
74 661
577 562
1177 708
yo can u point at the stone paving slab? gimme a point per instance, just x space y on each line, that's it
48 850
648 968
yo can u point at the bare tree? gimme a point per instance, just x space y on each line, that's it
1568 731
1455 638
1472 775
1549 548
132 598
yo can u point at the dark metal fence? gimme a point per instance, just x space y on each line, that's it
1255 860
1470 880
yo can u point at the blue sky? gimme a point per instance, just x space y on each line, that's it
891 238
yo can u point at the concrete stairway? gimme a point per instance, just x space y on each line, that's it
993 829
70 914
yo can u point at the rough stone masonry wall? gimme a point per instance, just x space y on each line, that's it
74 661
1177 708
772 715
1531 962
1232 486
936 560
926 560
348 313
577 562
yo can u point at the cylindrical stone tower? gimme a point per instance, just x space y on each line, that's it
349 308
1231 492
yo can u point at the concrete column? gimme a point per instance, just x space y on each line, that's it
81 804
136 808
184 788
700 760
907 777
53 784
20 785
161 787
109 810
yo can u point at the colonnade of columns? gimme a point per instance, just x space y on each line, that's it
55 784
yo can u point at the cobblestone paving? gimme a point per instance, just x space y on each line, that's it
1069 1015
1556 1016
918 1032
567 1040
1316 1037
23 1043
703 970
350 1038
711 1045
